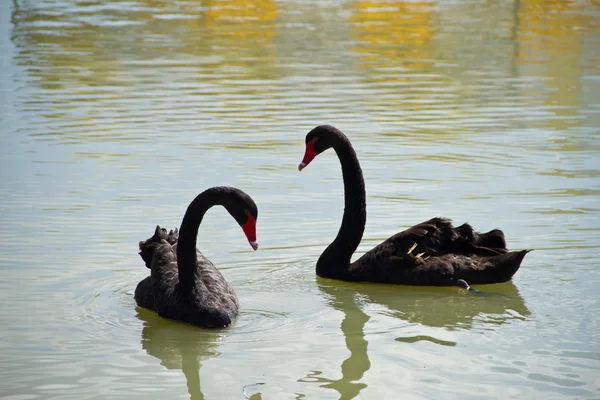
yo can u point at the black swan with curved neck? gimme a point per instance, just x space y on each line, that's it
183 284
432 253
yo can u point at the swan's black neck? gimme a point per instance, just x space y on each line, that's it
335 260
188 232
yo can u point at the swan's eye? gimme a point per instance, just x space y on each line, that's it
246 212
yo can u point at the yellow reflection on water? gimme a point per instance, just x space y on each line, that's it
393 41
393 33
84 40
550 35
242 32
94 64
241 10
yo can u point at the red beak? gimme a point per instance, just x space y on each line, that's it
249 229
309 154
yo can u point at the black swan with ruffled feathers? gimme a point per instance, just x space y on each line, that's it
431 253
183 284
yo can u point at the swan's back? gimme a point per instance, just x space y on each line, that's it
211 303
437 253
214 298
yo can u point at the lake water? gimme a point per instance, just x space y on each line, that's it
115 114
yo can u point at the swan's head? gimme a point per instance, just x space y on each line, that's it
147 247
317 141
243 209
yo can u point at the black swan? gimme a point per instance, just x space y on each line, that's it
183 284
433 253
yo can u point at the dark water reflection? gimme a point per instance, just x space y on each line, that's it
179 346
115 114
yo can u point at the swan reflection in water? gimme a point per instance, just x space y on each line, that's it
447 308
179 346
342 297
185 347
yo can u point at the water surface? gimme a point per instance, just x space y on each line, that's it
116 114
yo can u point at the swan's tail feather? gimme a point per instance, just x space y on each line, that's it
493 269
493 239
173 236
465 240
147 246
